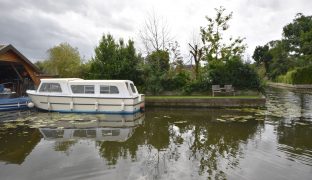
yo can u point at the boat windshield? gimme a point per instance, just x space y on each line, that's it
50 87
132 88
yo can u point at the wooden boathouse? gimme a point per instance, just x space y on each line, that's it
17 72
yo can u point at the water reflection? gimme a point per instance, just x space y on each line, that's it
117 128
211 145
292 106
295 141
17 144
272 143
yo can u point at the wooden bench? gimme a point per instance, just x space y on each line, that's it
226 89
215 88
229 89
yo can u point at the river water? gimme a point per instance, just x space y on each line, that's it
162 143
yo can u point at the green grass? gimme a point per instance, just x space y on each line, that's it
203 97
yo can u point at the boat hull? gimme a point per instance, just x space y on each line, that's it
98 105
11 104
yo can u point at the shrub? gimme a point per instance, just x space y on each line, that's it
235 72
297 76
176 81
303 75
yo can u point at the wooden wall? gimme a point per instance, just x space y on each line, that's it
11 57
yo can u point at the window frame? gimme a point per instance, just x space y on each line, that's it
109 89
85 89
48 87
133 88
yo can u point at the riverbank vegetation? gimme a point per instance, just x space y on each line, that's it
161 67
205 97
288 60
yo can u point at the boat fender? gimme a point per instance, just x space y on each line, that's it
96 106
30 105
140 97
18 104
122 106
71 105
49 106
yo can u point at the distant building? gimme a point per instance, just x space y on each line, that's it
17 72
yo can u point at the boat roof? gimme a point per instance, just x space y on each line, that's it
59 79
78 80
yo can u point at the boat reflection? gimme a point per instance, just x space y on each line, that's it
118 128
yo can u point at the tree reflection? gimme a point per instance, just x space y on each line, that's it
218 146
64 146
16 144
297 139
112 151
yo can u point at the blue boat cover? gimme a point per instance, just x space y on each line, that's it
14 100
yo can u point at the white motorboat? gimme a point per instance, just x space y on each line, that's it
87 96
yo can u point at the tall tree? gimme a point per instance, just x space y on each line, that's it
115 60
212 36
63 60
281 62
197 52
262 55
298 37
155 34
175 56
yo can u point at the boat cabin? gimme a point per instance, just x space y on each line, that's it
88 88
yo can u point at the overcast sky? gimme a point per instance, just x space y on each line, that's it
33 26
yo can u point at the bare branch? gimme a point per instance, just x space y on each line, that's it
155 34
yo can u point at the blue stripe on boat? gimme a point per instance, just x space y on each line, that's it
95 112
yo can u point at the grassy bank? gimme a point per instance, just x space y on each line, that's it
204 97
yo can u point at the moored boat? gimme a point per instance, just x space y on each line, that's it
87 96
10 104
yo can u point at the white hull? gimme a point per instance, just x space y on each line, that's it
87 104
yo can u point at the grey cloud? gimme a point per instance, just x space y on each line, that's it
29 25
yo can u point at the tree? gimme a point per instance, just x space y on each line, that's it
297 35
212 36
156 69
262 55
175 56
159 61
281 62
63 60
115 60
155 34
197 52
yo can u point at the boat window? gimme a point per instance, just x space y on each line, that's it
82 89
50 87
104 89
109 90
77 89
132 88
114 90
85 133
110 132
89 89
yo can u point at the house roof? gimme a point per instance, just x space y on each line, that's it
6 48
